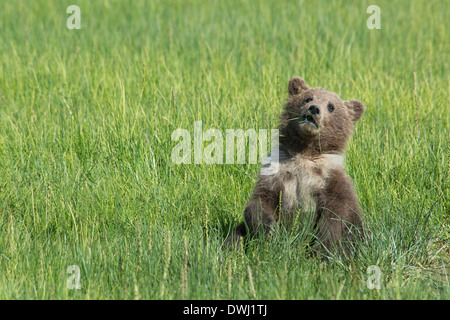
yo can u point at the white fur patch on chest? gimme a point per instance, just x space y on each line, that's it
299 178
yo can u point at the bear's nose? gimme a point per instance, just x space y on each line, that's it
314 110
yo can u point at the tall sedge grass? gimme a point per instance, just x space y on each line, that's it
86 118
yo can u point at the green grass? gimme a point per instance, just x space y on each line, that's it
86 118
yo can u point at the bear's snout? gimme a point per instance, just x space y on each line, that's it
314 110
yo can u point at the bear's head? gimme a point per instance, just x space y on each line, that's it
317 121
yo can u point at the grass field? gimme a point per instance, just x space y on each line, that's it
86 117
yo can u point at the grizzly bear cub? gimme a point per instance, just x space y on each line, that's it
310 176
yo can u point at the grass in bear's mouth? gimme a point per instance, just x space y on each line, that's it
308 119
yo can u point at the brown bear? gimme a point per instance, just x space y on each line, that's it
310 178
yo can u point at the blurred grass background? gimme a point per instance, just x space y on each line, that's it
86 116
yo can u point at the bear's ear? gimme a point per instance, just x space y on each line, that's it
297 85
355 108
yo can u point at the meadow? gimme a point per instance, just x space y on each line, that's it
86 118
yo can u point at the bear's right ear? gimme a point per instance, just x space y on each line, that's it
356 109
296 86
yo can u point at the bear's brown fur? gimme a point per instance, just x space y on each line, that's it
314 129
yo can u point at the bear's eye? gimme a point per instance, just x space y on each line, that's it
330 107
308 100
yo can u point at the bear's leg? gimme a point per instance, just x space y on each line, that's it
259 216
338 230
258 219
339 215
235 237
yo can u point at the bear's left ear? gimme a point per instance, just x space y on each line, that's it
355 108
297 85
